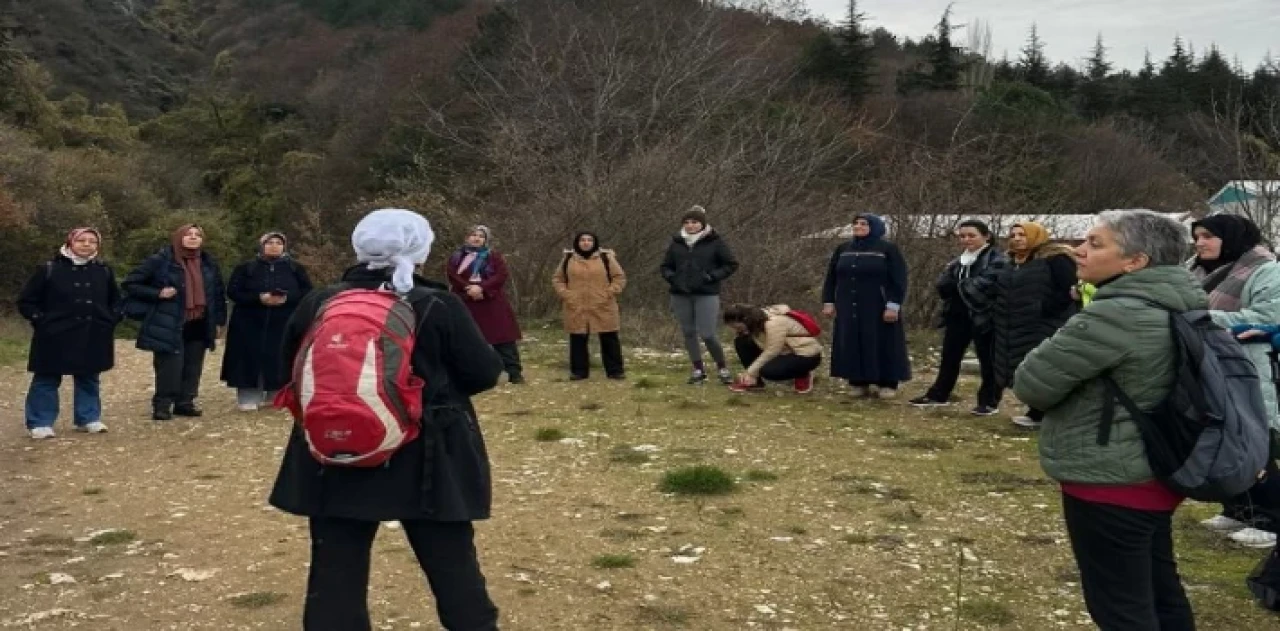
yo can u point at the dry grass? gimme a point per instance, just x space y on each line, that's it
862 529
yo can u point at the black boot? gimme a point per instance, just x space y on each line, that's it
187 409
161 414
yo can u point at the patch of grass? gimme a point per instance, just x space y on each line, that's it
1003 479
697 480
256 600
51 541
798 530
987 612
857 539
892 433
526 591
689 404
113 538
889 542
93 490
15 339
665 615
760 475
629 516
733 511
907 515
591 407
209 476
626 455
928 444
737 402
1038 540
613 561
645 383
518 413
548 434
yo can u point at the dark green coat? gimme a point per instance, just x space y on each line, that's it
1130 340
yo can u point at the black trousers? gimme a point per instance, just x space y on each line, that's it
956 338
1127 567
1260 505
780 368
510 354
338 584
178 375
610 354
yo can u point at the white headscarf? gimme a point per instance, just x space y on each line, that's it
395 238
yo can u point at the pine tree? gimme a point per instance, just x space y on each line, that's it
1098 68
1177 75
857 55
944 57
1150 97
1216 86
1034 67
1097 93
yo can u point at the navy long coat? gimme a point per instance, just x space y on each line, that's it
255 335
863 277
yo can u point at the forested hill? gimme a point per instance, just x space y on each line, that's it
541 117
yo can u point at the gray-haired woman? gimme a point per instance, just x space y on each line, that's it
1118 515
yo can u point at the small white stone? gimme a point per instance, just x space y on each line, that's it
58 578
604 586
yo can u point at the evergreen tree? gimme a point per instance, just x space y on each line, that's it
1216 86
1034 67
857 55
1097 93
1150 97
1177 75
945 57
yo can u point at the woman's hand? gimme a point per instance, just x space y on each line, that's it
746 379
1250 334
890 316
475 292
167 293
829 310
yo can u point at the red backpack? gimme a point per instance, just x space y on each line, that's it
807 321
353 391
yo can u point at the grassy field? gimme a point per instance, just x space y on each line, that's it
646 504
15 336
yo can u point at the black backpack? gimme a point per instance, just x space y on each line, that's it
1208 439
604 258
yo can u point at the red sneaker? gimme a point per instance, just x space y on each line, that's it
804 385
738 386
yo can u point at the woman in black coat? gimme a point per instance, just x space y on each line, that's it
1033 300
865 288
698 260
435 486
183 301
967 288
265 292
71 302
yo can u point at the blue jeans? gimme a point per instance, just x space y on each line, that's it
42 400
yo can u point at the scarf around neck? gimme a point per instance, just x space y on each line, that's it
1226 284
76 259
473 262
192 274
690 239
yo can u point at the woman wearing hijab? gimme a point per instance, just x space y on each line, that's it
71 303
967 287
1033 300
589 281
478 274
187 308
436 485
1242 279
697 261
865 288
265 292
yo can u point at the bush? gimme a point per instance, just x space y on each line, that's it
698 480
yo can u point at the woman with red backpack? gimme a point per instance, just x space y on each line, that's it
774 344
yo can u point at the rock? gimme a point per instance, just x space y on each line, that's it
58 578
192 576
604 586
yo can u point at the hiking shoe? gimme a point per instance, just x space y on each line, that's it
697 378
577 377
1254 538
927 402
984 410
41 433
858 392
1222 523
1027 422
617 376
726 377
187 410
886 393
804 385
162 415
515 380
94 427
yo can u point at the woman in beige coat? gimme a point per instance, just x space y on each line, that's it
588 282
774 344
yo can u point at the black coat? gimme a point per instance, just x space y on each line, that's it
698 270
256 331
161 330
861 281
441 476
1033 301
73 310
968 295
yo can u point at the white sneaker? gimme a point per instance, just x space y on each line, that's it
247 407
857 392
95 427
1222 523
1026 421
41 433
887 393
1254 538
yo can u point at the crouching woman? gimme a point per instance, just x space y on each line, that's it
1118 515
773 344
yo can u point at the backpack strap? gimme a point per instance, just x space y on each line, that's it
1114 394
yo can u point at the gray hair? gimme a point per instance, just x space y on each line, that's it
1162 239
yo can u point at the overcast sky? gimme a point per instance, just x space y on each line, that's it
1244 28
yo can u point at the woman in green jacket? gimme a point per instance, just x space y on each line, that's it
1118 516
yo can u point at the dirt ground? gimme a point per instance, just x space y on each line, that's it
858 515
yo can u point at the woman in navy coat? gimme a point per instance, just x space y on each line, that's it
865 288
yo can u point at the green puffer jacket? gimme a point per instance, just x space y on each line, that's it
1130 340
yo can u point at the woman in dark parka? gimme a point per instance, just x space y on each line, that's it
435 486
71 302
186 312
865 288
265 292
